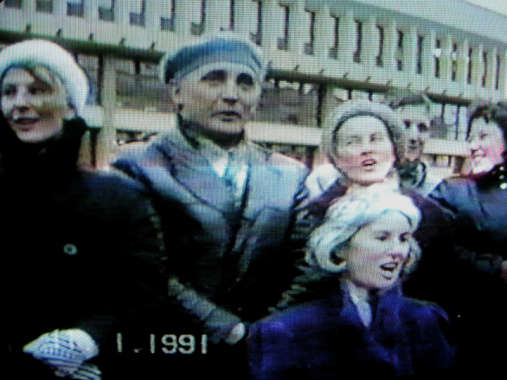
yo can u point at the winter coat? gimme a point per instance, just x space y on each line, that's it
325 339
81 249
229 261
479 206
430 279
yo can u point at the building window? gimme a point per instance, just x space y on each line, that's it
484 68
399 51
438 53
231 14
309 45
283 42
454 60
359 37
257 36
138 18
106 10
198 29
167 23
469 70
45 6
333 52
14 3
497 76
420 40
75 8
378 59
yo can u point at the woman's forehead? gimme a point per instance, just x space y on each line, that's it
18 75
361 125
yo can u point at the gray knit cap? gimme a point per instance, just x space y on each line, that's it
361 107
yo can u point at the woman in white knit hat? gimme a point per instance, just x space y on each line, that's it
80 248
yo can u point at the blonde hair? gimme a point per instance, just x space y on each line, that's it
346 217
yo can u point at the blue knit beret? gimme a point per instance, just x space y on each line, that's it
218 48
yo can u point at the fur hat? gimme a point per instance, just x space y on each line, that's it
54 58
222 47
362 107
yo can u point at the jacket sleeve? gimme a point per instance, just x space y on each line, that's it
217 321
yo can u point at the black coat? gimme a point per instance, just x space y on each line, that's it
479 206
80 248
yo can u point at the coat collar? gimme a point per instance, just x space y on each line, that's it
192 170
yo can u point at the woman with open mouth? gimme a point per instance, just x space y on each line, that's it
365 141
360 323
80 250
479 205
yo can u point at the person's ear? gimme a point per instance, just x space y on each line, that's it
175 95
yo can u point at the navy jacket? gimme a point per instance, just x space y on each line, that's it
326 339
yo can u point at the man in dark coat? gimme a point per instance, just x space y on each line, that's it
226 204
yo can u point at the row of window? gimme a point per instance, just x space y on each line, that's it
106 13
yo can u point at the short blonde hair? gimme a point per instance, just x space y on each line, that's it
346 217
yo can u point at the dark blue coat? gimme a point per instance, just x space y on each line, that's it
326 339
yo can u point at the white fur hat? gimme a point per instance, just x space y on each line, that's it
56 59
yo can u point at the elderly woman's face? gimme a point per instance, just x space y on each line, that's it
364 150
34 109
376 254
486 145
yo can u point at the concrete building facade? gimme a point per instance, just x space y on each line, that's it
321 52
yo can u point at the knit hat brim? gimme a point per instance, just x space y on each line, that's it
53 57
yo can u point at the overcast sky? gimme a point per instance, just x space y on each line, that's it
496 5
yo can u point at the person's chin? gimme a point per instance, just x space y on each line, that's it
413 157
371 178
33 137
228 128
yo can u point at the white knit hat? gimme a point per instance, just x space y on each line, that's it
56 59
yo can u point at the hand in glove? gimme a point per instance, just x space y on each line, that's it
66 351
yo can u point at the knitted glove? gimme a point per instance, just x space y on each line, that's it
66 351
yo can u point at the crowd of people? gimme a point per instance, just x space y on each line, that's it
202 253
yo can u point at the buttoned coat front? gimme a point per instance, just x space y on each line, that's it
229 259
